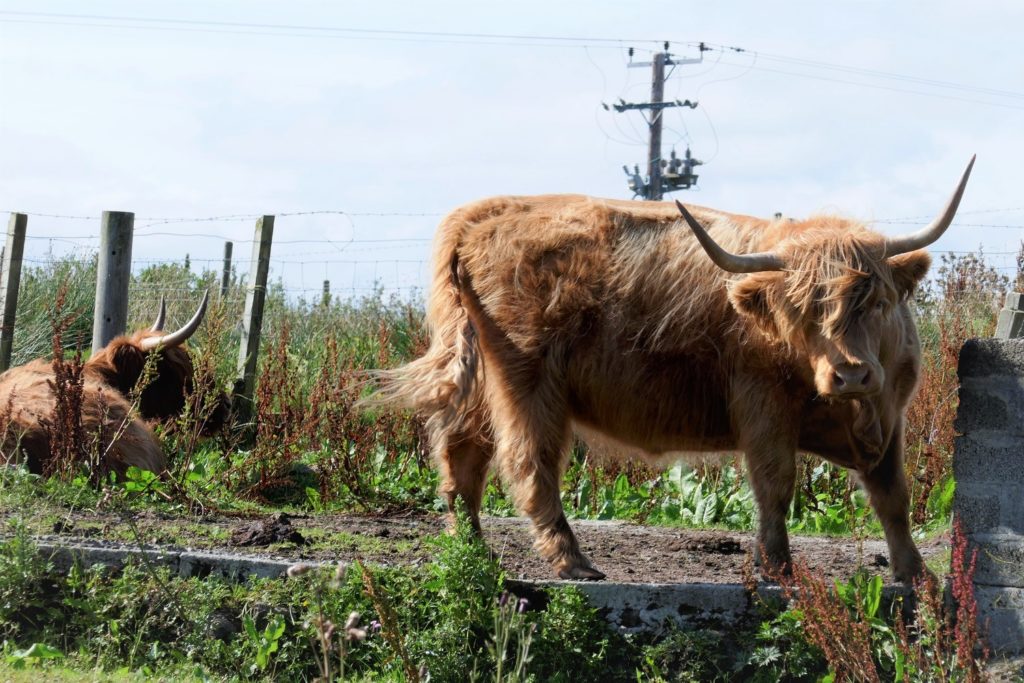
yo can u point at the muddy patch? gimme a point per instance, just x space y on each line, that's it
626 552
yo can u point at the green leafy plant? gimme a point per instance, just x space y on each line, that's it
264 643
33 655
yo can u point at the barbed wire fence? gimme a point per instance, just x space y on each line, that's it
307 275
178 258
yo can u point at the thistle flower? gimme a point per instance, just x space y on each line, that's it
352 630
298 569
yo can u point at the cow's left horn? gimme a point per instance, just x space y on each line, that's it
178 337
734 263
161 316
933 231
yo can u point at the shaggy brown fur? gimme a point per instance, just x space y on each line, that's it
124 437
121 363
559 313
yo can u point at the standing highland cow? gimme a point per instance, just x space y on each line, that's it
660 336
116 433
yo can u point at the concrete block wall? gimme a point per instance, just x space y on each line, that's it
989 468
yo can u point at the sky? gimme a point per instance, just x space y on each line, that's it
360 124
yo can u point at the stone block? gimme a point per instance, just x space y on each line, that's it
649 606
203 564
1011 511
1001 619
980 407
995 402
1011 318
977 506
1000 560
64 556
986 357
990 456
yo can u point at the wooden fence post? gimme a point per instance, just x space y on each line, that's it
252 319
9 283
113 275
225 278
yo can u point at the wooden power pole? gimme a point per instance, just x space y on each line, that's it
659 182
654 146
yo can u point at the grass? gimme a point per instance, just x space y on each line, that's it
449 619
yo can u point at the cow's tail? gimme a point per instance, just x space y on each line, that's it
441 385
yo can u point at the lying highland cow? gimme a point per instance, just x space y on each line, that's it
660 336
119 436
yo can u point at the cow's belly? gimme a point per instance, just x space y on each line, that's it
652 404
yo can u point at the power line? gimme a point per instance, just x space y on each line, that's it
239 216
888 88
252 28
893 76
228 238
958 224
138 22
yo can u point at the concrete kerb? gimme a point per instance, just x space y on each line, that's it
629 607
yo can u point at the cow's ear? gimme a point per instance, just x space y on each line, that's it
909 269
752 297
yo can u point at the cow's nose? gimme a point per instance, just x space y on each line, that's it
849 378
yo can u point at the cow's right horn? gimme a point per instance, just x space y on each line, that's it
734 263
161 316
178 337
933 231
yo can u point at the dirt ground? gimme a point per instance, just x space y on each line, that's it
626 552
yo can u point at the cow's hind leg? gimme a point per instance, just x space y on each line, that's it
532 438
464 459
886 485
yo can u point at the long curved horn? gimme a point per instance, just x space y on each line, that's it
734 263
161 316
933 231
178 337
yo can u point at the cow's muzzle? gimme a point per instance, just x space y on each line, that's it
854 380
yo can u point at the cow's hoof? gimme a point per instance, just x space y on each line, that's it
580 574
914 577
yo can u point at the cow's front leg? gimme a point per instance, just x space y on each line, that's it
886 485
770 446
772 476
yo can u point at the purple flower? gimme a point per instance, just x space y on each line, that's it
503 600
523 602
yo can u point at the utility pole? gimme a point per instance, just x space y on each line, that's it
654 147
658 181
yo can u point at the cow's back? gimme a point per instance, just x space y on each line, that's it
552 268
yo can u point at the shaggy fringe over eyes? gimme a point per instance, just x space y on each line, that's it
833 277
